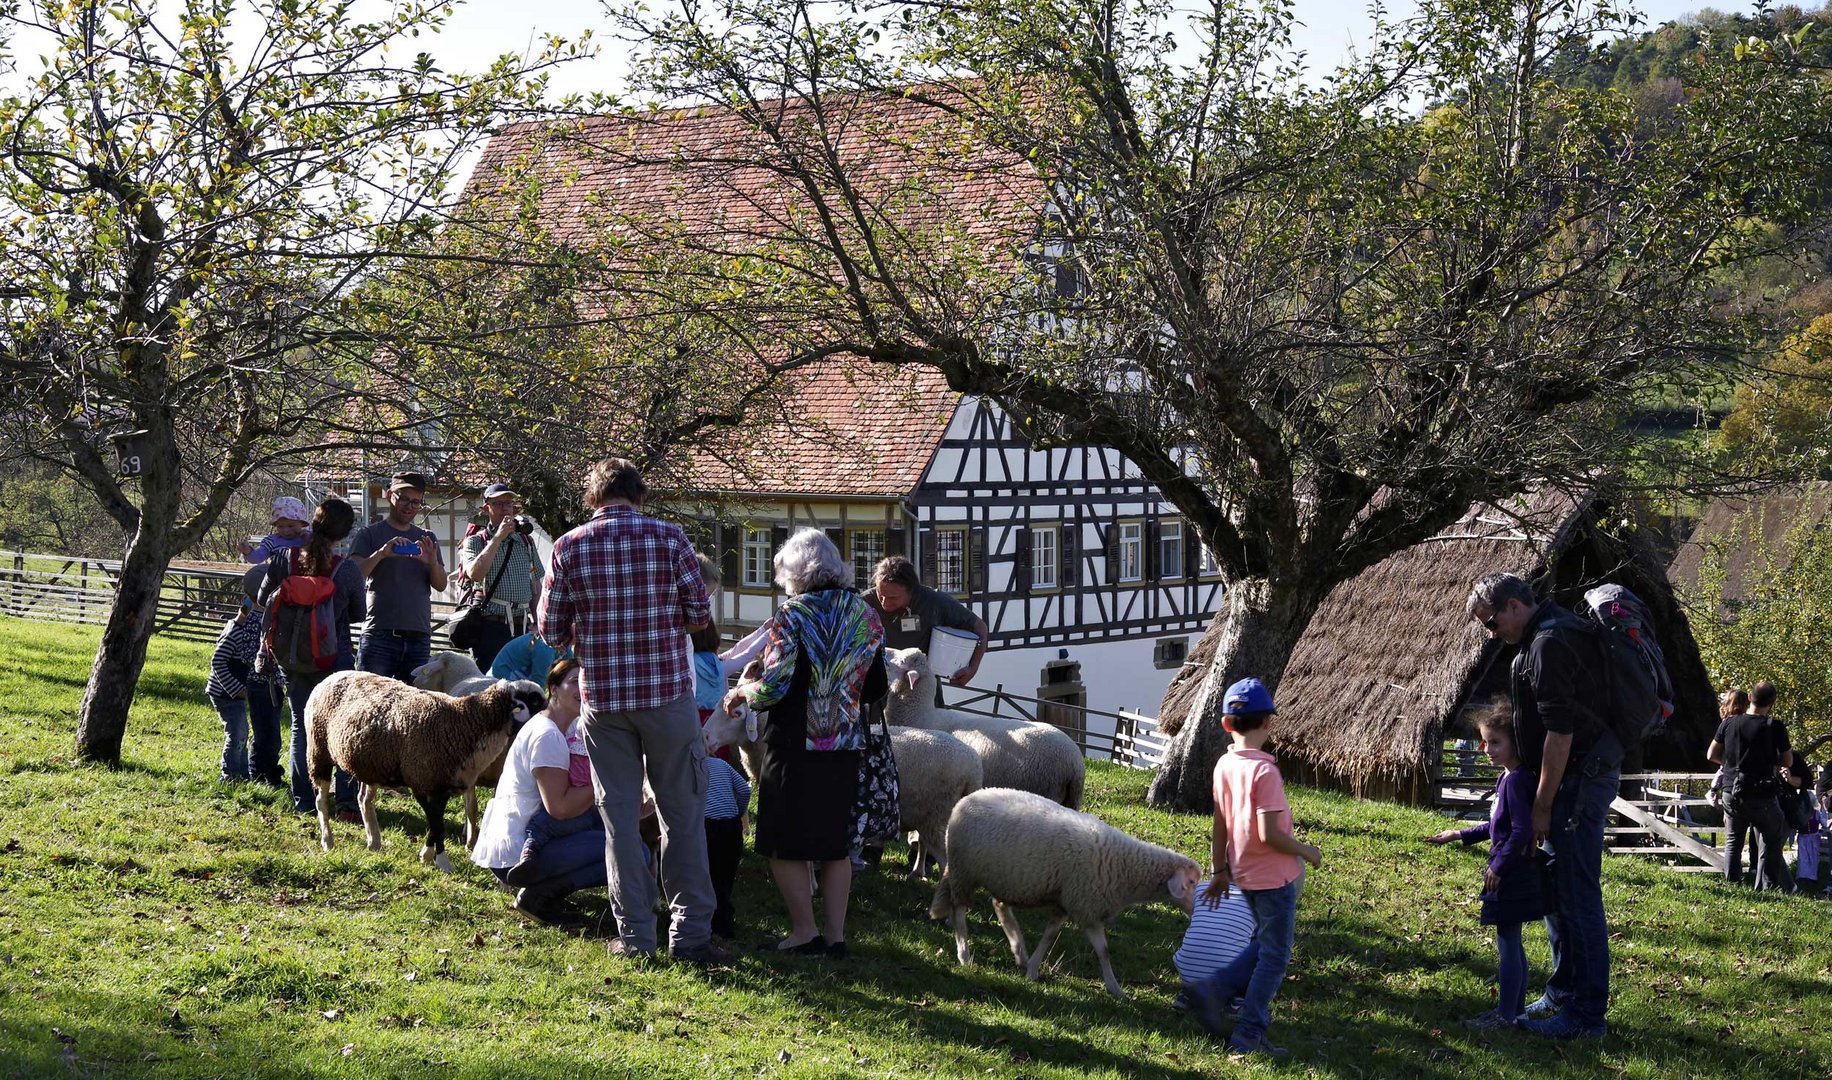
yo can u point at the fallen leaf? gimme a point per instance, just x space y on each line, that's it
348 1049
331 1014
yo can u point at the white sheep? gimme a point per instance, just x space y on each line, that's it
385 733
1028 851
1018 754
456 674
934 771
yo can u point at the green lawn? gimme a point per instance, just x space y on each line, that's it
154 922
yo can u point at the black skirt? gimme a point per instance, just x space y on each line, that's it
1521 896
804 797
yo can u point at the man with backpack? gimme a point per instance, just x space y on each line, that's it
1753 748
402 565
1558 686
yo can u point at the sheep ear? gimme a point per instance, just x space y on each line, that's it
1182 884
914 677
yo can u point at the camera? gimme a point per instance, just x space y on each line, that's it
523 525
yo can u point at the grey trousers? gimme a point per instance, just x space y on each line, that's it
666 740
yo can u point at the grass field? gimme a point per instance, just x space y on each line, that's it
156 923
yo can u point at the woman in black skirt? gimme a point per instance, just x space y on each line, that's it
822 666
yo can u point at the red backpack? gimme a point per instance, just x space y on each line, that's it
301 623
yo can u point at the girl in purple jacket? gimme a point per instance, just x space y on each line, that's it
1511 890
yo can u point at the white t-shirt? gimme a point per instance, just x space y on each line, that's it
539 745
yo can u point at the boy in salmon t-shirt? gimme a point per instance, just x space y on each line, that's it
1253 848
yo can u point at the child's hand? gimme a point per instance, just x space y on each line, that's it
1216 890
1490 880
1313 855
1444 837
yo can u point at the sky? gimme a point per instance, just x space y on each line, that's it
483 29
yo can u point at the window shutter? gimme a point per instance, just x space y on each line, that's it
1111 537
1068 555
779 537
1192 552
838 536
1021 560
976 560
1152 555
894 541
925 554
731 545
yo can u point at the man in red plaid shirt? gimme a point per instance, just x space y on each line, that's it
624 590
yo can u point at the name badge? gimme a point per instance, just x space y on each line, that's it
911 624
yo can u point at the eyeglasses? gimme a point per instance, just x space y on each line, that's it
407 501
1492 622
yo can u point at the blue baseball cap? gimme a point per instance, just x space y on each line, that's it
1247 696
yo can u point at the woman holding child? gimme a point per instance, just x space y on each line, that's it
821 666
541 831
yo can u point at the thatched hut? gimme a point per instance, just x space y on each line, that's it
1746 535
1391 661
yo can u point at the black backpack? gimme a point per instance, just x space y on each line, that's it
1639 689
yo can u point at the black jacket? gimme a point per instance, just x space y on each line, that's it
1556 685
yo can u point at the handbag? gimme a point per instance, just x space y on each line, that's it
877 813
468 625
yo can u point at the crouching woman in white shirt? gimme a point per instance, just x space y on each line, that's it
551 863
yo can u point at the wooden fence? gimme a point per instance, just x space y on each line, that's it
194 602
1134 741
1663 815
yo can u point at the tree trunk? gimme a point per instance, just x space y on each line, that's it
1261 624
102 721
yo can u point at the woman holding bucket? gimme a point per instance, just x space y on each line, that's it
916 616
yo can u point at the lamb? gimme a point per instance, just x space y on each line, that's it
1028 851
385 733
1018 754
934 771
456 674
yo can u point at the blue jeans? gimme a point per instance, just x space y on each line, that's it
305 797
543 828
382 653
1256 974
1512 970
266 706
234 714
1578 931
565 865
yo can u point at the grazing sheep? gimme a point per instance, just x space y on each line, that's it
1028 851
456 674
934 770
1018 754
385 733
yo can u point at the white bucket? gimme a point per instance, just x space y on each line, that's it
951 649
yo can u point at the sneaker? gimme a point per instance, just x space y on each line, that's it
1540 1008
1492 1020
1210 1012
707 955
1563 1027
1256 1046
836 950
1184 1002
350 817
620 947
559 916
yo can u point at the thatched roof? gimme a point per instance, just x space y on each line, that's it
1742 533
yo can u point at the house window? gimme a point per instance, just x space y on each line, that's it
1170 550
757 558
1043 557
1132 551
951 561
1210 568
867 552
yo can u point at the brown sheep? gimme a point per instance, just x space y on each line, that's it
385 733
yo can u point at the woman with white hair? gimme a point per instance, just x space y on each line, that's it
822 665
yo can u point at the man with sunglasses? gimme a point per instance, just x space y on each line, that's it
1557 685
401 562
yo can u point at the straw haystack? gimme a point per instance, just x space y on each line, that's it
1391 660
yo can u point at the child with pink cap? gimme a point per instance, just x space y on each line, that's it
291 531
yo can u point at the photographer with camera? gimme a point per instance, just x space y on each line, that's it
502 571
402 564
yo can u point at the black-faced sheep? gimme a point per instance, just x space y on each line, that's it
1018 754
385 733
1028 851
456 674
